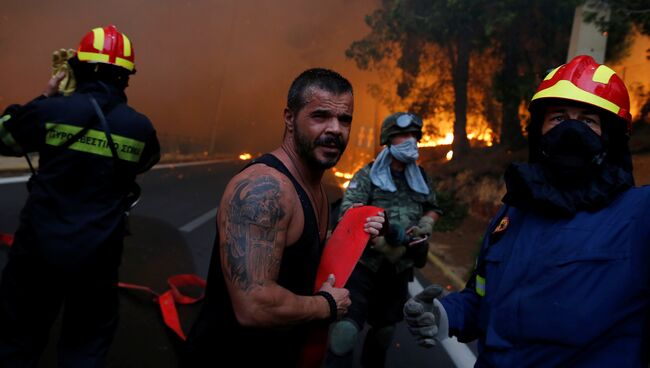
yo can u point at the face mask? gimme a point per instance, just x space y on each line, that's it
406 151
571 151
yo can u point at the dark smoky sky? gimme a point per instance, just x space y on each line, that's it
204 67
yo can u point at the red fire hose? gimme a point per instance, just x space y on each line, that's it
6 239
166 300
341 254
169 298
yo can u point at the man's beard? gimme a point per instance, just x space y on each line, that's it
306 148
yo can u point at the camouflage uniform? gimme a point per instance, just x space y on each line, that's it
403 207
379 283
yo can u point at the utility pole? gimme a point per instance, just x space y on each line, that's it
586 38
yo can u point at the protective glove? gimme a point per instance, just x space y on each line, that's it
426 317
60 64
424 227
391 252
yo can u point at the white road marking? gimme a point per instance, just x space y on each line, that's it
14 179
459 353
197 163
24 178
190 226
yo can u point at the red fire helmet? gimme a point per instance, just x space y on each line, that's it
584 80
109 46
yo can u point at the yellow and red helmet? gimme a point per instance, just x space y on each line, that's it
109 46
584 80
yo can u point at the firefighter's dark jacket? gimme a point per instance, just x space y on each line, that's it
78 196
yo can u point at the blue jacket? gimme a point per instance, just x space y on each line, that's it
560 292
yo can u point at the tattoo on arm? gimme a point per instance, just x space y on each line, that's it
251 230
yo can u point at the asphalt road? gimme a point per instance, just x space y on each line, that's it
173 232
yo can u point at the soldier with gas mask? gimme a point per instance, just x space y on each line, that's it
562 277
379 283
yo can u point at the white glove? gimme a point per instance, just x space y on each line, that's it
426 317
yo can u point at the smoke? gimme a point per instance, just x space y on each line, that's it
210 71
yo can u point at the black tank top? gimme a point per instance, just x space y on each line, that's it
217 337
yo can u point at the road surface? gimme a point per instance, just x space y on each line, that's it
173 230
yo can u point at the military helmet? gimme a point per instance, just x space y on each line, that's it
398 123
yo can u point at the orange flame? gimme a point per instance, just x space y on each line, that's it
485 136
479 134
431 141
245 156
449 155
343 175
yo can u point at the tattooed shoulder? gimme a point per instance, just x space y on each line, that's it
252 227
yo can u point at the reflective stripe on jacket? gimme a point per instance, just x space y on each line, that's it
77 198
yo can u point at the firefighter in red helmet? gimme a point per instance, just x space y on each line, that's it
107 46
68 246
562 278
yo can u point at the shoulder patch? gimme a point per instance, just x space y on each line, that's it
503 225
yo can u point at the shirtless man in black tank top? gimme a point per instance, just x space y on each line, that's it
271 230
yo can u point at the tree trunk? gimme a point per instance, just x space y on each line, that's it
460 77
511 136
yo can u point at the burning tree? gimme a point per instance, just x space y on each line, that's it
440 53
404 30
527 37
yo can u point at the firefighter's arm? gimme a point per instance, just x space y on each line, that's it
256 214
455 314
52 88
63 80
151 153
21 129
426 318
8 144
462 309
